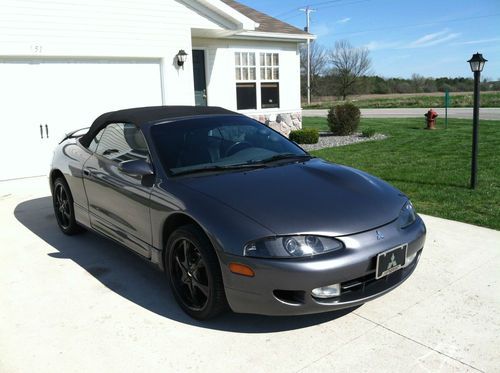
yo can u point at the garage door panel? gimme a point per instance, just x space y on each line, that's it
22 139
66 96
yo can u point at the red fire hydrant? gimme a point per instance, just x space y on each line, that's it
431 116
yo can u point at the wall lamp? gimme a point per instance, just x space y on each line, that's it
181 57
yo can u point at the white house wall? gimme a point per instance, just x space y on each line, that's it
221 80
155 29
32 31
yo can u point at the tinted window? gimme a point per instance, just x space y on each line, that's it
217 141
95 141
246 96
122 142
270 95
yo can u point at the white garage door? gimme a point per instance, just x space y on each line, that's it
40 101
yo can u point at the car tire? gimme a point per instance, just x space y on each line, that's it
194 273
62 201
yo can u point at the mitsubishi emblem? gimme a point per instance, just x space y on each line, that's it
380 235
392 263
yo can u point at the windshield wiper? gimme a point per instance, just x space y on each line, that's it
290 156
218 168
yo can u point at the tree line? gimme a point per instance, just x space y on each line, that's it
347 70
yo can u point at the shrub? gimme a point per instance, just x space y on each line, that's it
370 132
344 119
305 136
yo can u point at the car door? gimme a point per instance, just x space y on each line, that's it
118 202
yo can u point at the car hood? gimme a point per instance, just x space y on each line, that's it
307 197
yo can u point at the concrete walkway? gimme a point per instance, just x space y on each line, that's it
84 304
464 113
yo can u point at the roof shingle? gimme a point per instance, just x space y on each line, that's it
266 23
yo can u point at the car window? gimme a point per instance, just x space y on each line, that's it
95 141
122 142
199 143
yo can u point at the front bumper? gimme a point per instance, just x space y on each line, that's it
283 286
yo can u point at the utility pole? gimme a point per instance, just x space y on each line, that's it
308 11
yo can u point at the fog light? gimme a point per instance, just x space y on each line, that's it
329 291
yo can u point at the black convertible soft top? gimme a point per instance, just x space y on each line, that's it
143 115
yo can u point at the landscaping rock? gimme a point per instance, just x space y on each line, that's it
333 141
283 122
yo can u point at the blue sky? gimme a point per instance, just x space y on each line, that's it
428 37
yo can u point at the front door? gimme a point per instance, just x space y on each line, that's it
200 82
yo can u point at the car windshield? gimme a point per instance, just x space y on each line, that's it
220 143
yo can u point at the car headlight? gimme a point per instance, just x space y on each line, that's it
291 246
407 215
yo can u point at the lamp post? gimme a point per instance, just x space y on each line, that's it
476 65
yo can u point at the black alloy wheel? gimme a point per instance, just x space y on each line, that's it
63 208
194 273
190 275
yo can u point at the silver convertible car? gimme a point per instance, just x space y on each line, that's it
235 214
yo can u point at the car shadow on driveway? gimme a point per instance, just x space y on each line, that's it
123 272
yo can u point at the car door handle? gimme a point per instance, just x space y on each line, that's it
41 131
46 131
87 172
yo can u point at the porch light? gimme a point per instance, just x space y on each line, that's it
181 57
477 62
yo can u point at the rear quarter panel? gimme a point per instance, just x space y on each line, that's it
69 158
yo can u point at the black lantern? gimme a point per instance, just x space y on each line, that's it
181 57
477 62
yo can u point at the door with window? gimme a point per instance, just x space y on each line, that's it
118 202
199 76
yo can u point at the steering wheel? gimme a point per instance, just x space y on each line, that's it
236 147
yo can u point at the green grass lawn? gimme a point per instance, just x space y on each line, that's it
488 99
431 167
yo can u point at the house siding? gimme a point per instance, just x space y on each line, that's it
155 30
105 29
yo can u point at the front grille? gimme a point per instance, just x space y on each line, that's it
367 285
357 283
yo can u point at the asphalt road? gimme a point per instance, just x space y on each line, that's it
464 113
85 304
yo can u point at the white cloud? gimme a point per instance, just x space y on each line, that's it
344 20
433 39
480 41
322 30
427 40
429 37
377 45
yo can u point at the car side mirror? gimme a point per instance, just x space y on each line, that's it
138 167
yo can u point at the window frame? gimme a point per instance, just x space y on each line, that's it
98 134
258 81
242 67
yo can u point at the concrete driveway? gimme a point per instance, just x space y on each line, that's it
463 113
84 304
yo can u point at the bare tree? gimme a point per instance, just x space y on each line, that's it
349 64
319 58
417 82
